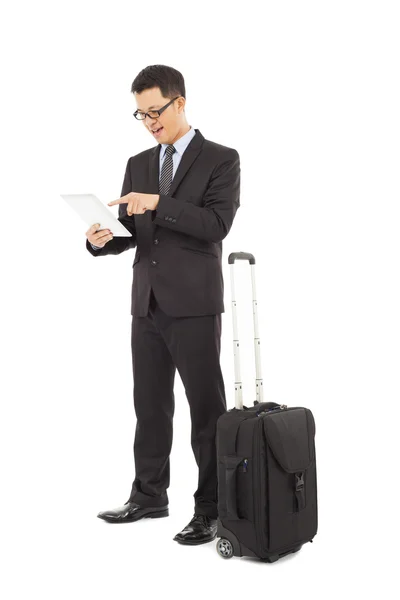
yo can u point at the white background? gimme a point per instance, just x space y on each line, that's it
308 93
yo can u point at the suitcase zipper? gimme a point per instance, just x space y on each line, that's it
258 475
264 412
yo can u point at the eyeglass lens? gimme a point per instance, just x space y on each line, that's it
153 114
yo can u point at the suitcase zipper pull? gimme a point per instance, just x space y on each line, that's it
244 465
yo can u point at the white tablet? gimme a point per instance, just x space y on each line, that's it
92 210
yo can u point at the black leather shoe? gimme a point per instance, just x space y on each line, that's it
200 530
131 511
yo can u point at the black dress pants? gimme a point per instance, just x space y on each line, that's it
160 345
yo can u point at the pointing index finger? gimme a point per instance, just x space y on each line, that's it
124 199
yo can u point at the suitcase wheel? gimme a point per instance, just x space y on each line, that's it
224 548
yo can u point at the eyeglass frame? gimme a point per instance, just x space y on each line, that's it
160 111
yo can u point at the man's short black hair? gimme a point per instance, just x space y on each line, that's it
169 80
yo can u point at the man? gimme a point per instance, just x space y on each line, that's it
178 200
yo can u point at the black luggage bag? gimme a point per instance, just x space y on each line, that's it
267 481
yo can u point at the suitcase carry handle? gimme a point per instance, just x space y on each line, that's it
238 383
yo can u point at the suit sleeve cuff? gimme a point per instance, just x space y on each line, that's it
94 250
168 210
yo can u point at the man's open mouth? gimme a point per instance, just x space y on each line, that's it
155 131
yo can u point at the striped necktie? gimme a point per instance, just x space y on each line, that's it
166 171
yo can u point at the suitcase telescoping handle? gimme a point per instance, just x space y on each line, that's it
241 256
238 382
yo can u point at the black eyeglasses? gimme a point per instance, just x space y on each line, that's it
153 114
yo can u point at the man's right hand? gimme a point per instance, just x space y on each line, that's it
98 237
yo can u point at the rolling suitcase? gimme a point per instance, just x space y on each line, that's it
267 481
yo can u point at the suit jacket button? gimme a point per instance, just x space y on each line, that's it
156 241
153 262
173 220
165 218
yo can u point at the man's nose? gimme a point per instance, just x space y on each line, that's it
152 121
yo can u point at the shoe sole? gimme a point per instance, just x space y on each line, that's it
151 515
194 542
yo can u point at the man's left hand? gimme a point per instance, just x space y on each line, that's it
137 203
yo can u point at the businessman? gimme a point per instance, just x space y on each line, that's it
178 201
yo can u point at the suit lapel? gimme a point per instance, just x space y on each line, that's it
188 157
186 162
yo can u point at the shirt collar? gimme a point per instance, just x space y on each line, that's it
181 144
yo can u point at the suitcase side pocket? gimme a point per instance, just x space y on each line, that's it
234 487
245 489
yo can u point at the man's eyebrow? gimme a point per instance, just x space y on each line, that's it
150 107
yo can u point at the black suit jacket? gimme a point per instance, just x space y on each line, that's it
179 246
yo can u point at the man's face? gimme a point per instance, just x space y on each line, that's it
170 118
